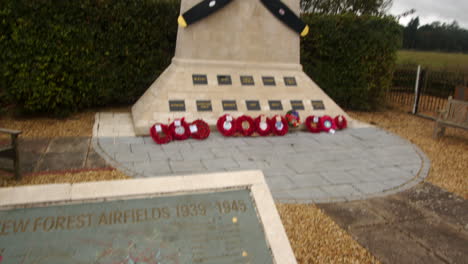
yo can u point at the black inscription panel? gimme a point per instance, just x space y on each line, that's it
269 80
229 105
252 105
177 105
204 106
224 80
275 105
318 105
199 79
247 80
297 105
290 81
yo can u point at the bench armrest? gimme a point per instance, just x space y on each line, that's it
9 131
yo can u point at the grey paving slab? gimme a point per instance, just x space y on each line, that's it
352 164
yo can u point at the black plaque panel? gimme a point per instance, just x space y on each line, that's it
204 106
199 79
229 105
297 105
318 105
177 105
224 80
290 81
268 80
253 105
247 80
275 105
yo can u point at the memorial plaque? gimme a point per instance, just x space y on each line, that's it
318 105
224 80
247 80
199 79
275 105
218 227
229 105
177 105
252 105
290 81
204 106
297 105
268 81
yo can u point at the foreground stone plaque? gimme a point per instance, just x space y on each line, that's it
268 81
214 218
199 79
318 105
247 80
275 105
252 105
224 80
229 105
297 105
290 81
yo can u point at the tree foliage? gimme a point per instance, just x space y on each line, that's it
334 7
436 36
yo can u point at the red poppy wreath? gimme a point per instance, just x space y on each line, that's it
327 124
245 125
279 125
160 133
179 129
341 122
313 124
226 125
262 125
199 129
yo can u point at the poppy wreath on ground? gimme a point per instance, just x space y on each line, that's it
262 125
293 118
179 129
245 125
313 124
160 133
226 125
279 125
327 124
199 129
341 122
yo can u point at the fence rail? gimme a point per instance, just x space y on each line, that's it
433 89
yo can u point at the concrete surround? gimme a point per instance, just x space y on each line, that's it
243 38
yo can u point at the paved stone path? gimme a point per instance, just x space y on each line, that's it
299 167
422 225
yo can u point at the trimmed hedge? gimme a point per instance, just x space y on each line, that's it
60 56
352 58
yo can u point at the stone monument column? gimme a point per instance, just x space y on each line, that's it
239 60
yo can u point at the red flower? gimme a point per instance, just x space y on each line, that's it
279 125
202 129
226 125
262 128
313 124
341 122
179 129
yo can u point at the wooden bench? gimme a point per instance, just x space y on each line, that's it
11 151
454 115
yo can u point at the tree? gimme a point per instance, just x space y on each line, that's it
358 7
410 34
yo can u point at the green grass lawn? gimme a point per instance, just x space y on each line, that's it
435 60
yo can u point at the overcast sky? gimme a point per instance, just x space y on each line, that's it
433 10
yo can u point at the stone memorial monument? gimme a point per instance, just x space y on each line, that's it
241 57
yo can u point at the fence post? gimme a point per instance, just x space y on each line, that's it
416 91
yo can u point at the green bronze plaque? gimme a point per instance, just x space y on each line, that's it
247 80
199 79
268 81
177 105
297 105
290 81
218 227
204 106
318 105
229 105
275 105
253 105
224 80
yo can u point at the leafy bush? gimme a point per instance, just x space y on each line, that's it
351 57
59 56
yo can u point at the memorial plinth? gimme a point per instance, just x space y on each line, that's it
191 219
240 53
